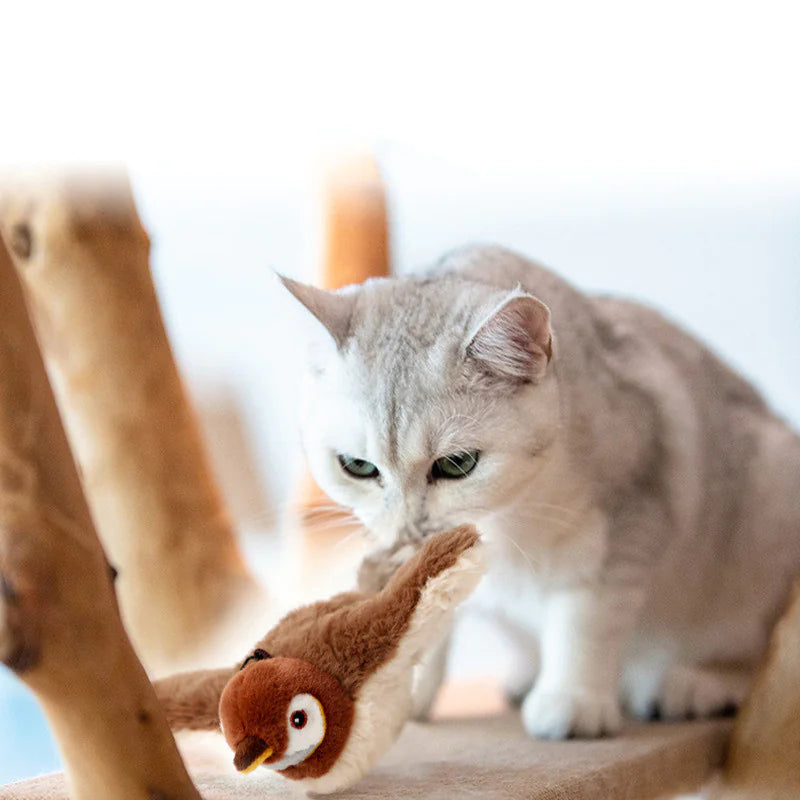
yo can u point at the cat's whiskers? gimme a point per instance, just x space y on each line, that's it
359 531
330 519
315 512
461 469
503 514
323 518
316 525
553 506
526 556
565 524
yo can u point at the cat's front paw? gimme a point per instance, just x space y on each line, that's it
686 692
571 712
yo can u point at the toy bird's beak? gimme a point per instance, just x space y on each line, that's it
250 753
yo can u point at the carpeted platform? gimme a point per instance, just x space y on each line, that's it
490 758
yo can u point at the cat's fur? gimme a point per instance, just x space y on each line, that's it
642 501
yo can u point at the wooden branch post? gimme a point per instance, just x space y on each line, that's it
764 759
355 248
356 224
83 254
60 629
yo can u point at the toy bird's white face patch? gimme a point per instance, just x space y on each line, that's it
305 721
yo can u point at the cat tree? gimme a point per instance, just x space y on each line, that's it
60 630
83 256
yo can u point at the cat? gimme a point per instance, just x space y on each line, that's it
641 501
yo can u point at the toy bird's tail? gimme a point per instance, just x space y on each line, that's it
191 699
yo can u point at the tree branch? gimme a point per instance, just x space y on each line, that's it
60 629
764 759
83 254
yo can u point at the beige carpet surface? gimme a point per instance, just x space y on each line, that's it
491 758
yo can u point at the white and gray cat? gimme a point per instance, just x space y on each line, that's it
642 501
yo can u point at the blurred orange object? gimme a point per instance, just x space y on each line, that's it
356 247
356 224
476 697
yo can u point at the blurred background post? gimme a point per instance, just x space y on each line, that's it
355 248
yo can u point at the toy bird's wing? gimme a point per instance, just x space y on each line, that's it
304 632
355 637
430 587
191 699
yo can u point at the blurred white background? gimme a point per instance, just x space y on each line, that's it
642 149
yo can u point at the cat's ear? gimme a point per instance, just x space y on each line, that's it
333 309
514 342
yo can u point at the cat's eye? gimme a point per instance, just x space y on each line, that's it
358 467
455 466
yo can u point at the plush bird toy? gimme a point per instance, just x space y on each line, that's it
327 690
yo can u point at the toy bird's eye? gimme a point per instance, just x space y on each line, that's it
299 719
305 724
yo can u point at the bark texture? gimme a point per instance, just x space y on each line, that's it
60 629
83 254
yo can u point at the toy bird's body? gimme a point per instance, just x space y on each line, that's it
327 690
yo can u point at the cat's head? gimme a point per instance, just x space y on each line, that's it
427 403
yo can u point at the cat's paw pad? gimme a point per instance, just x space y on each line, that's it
688 692
576 712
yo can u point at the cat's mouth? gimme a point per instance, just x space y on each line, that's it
416 534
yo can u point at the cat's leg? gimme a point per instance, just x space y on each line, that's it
521 679
585 632
684 691
429 675
525 661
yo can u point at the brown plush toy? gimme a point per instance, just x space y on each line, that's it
327 690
